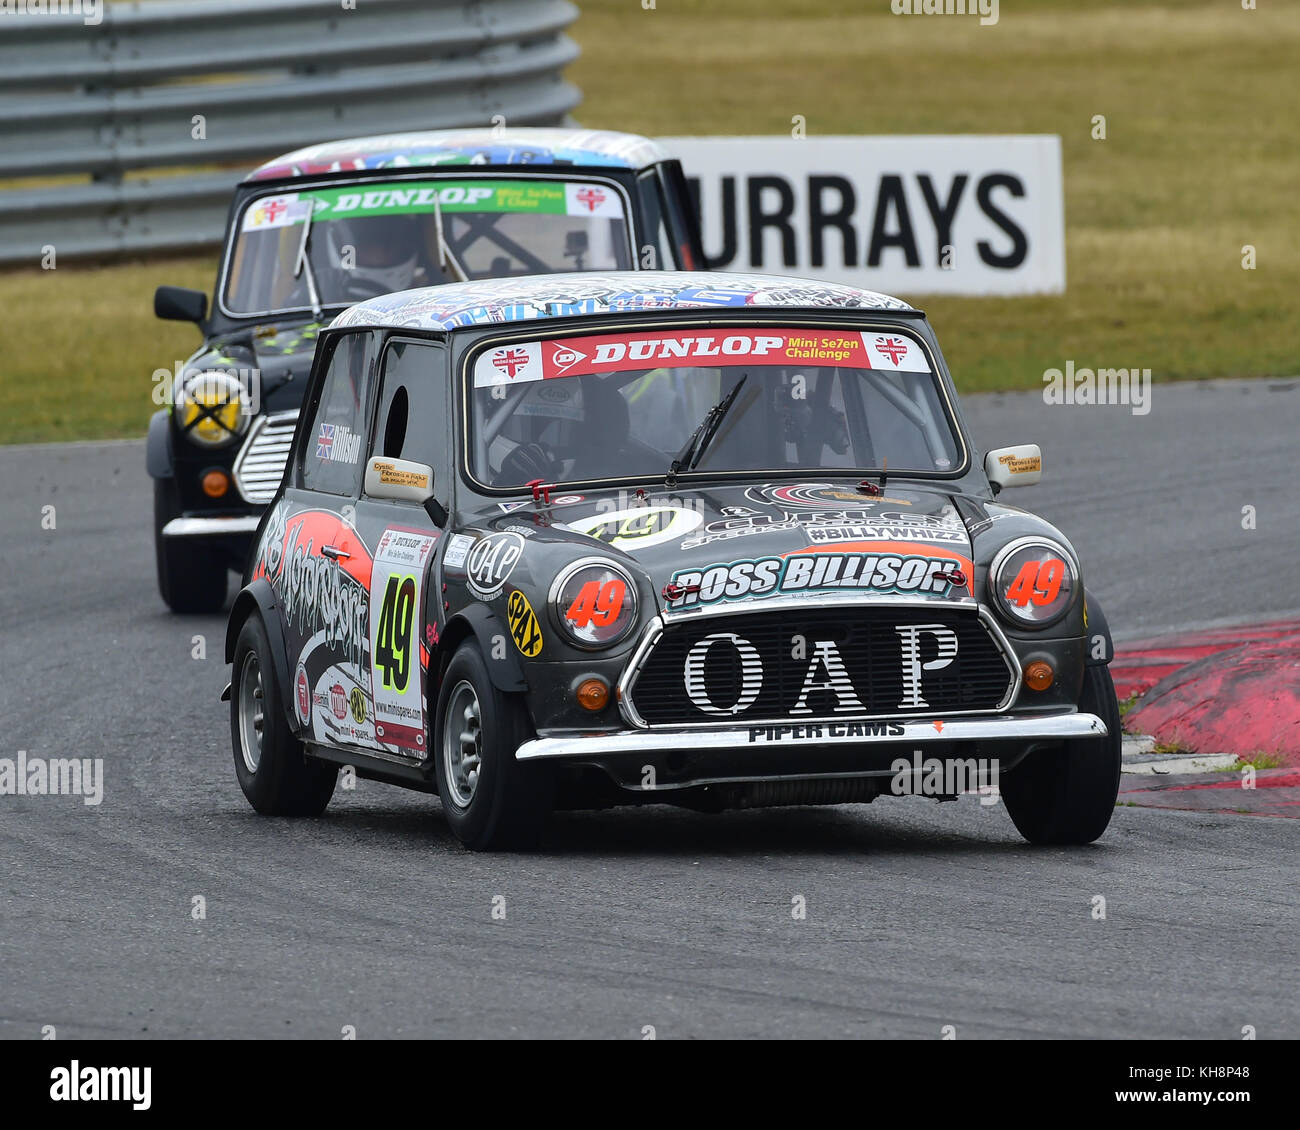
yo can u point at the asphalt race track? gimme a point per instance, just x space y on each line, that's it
919 915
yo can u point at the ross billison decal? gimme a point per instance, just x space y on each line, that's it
878 567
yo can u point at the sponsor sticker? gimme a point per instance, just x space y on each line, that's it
592 200
556 500
524 628
303 695
338 443
393 477
819 496
451 196
666 349
276 212
357 705
509 365
404 547
457 549
821 526
638 527
1021 466
828 685
490 562
883 567
814 731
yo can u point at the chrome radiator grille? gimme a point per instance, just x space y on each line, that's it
883 661
260 465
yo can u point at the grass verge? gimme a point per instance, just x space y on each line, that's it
1201 159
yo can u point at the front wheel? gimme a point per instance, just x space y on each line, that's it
191 578
275 776
491 800
1067 796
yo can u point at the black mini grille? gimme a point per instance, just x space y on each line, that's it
865 639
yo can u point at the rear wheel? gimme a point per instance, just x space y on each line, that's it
191 578
1067 796
275 776
491 800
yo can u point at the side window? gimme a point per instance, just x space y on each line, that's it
414 400
335 440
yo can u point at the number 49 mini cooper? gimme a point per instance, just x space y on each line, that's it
716 541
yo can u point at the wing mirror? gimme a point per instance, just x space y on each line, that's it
400 479
177 304
1019 466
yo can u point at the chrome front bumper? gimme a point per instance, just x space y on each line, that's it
211 527
1004 727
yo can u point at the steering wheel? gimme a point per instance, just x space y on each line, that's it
529 461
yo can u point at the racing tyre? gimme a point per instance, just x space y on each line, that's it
190 578
492 801
1067 796
275 776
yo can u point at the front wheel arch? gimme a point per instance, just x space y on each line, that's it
1099 648
479 621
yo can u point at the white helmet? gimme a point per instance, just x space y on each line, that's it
384 249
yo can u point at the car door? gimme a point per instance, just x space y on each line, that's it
411 423
314 558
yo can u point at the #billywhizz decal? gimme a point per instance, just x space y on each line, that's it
855 566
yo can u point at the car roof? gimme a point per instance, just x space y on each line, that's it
523 146
577 294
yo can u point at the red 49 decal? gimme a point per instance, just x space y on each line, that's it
1038 582
597 603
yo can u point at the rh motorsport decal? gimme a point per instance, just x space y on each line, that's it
319 594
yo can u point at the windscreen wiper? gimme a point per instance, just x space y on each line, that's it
693 450
304 263
446 258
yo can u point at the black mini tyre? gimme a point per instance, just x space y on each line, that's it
1067 796
275 776
190 577
492 801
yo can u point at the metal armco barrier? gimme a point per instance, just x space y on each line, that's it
191 84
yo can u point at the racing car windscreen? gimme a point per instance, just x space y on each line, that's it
717 400
373 238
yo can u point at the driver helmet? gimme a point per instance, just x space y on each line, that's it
384 249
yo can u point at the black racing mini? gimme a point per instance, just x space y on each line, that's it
708 540
320 229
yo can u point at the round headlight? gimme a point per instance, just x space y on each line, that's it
209 408
594 603
1033 582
